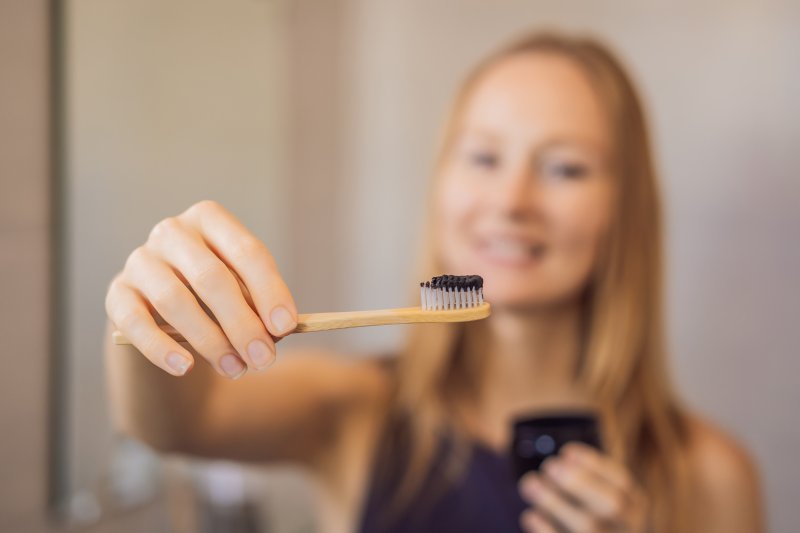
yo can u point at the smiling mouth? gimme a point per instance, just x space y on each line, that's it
511 252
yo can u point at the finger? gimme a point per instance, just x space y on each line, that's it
600 464
525 486
550 501
246 255
176 304
581 484
535 522
184 250
129 314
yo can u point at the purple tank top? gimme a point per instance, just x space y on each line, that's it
485 499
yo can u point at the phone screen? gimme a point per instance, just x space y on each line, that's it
537 438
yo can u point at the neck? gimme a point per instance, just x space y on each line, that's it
531 359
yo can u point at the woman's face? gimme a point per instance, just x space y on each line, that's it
525 195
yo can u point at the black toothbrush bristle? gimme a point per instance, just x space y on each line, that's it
447 292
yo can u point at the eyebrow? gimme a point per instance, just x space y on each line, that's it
553 143
572 143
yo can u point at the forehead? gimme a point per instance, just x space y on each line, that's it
537 96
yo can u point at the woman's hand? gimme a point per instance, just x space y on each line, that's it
582 490
203 255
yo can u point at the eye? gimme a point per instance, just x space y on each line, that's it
566 170
483 159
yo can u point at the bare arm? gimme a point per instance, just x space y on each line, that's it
290 412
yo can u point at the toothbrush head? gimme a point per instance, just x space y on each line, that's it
451 292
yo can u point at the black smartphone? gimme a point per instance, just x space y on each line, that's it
538 437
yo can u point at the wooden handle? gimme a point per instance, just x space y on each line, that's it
356 319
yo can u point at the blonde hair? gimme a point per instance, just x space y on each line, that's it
623 365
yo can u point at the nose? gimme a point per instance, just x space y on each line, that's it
517 194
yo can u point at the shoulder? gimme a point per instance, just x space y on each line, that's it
718 459
726 481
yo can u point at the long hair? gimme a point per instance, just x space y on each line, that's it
623 361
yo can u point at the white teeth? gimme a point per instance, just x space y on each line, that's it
509 249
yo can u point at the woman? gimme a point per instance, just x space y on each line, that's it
545 186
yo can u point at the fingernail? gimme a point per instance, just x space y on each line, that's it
232 366
178 362
282 320
260 354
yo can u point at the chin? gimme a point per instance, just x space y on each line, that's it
516 299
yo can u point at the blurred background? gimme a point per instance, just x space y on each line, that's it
315 122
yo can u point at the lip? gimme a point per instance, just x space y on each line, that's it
487 254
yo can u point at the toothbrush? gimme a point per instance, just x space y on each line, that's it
442 299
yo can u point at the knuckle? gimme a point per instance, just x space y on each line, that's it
168 297
126 319
209 205
249 248
135 259
111 296
203 207
210 277
163 228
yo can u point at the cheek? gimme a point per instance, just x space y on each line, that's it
455 196
456 204
580 225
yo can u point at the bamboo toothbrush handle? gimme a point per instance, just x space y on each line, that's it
404 315
355 319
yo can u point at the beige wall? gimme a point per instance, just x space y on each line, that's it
167 103
25 277
24 262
